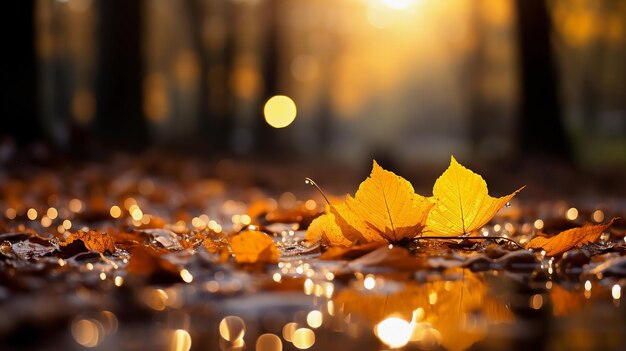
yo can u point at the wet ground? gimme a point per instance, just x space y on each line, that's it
458 295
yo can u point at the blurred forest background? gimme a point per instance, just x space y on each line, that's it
403 80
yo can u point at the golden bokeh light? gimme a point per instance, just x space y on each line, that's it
75 205
186 276
597 216
303 338
288 331
115 211
155 299
181 341
314 319
572 213
10 213
31 214
394 332
52 213
87 332
268 342
616 292
232 328
369 282
280 111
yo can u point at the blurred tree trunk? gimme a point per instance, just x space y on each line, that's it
541 131
265 135
215 123
119 115
474 72
20 100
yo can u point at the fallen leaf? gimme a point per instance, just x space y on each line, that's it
388 204
393 258
575 237
325 226
348 253
254 246
384 209
462 202
147 262
93 240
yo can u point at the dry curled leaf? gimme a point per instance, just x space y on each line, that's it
384 209
462 202
254 246
566 240
93 240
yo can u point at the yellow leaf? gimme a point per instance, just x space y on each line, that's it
384 209
352 226
325 228
568 239
462 202
388 208
254 246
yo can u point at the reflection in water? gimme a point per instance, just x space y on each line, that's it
394 332
456 312
616 292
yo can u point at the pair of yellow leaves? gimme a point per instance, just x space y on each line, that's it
385 208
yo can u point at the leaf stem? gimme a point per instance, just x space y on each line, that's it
310 181
468 238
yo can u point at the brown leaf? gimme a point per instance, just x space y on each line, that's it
145 261
254 246
396 257
566 240
93 240
349 253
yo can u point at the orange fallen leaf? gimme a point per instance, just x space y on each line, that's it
384 209
145 261
254 246
566 240
462 202
93 240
